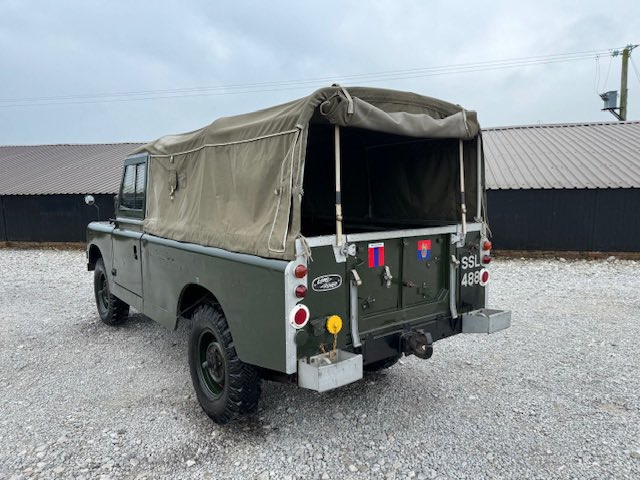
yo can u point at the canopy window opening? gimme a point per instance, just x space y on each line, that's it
388 182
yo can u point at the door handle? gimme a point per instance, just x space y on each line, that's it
386 276
135 252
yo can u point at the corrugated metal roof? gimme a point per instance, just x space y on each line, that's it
581 155
62 169
585 155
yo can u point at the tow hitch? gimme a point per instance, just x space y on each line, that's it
419 343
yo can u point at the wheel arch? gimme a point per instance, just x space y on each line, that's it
94 255
191 296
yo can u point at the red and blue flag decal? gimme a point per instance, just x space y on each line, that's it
376 254
424 249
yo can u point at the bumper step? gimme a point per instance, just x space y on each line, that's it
486 320
321 373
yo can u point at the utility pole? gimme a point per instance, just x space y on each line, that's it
610 97
623 81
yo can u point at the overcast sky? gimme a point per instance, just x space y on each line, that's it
67 48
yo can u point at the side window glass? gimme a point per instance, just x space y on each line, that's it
141 172
128 199
133 187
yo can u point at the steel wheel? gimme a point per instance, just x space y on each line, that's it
111 309
212 371
102 293
226 387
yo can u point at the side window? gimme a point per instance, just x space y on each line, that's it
128 199
133 187
141 172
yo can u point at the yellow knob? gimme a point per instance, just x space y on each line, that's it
334 324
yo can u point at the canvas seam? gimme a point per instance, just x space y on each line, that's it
275 218
209 145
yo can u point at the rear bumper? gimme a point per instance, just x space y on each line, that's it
319 373
486 320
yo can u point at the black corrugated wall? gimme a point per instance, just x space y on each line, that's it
49 218
604 220
577 220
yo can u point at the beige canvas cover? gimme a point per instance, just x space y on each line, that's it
236 184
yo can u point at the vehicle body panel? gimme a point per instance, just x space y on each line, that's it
127 258
249 289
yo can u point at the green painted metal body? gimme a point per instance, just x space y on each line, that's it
251 291
417 297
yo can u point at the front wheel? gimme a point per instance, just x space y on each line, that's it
226 387
111 309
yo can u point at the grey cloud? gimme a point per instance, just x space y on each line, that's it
78 47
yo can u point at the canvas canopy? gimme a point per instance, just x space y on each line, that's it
237 183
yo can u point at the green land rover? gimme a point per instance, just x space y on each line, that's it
306 242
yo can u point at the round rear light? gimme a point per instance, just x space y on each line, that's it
299 316
301 291
486 259
484 277
487 245
300 271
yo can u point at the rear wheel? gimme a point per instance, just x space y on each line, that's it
111 309
226 387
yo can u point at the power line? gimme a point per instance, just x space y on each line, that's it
308 80
604 85
243 88
596 79
633 64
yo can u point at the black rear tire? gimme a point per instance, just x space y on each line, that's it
226 387
111 309
382 364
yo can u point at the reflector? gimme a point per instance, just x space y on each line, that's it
299 316
484 277
300 271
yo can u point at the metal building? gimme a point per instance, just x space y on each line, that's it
42 189
564 187
551 187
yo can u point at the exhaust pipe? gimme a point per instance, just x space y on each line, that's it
418 343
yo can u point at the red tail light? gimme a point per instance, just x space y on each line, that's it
299 316
486 259
300 271
301 291
486 245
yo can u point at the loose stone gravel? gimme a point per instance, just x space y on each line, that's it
555 396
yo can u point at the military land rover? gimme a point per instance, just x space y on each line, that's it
306 242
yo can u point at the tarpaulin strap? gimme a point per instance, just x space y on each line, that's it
350 108
485 221
485 231
306 249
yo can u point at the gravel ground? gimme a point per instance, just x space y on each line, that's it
555 396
